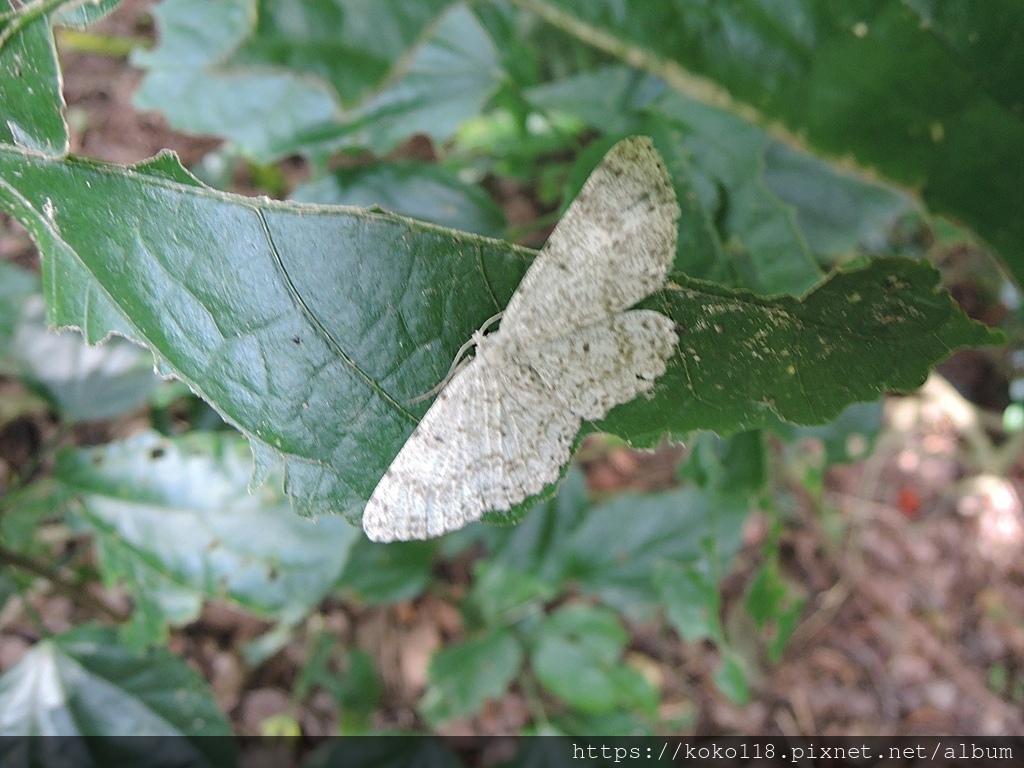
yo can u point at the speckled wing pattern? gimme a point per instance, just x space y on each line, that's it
568 349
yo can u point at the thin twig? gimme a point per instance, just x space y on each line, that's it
60 583
112 46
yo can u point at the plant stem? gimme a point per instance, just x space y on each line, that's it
61 583
113 46
529 686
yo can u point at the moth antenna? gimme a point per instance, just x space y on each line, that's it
458 363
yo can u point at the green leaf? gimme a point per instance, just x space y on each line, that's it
315 671
448 79
733 465
731 679
502 595
358 692
577 657
690 596
786 621
24 509
522 46
265 113
383 573
764 247
838 213
465 675
85 683
352 45
303 359
923 91
31 104
612 549
268 76
774 606
538 545
609 97
764 595
420 191
862 330
175 522
17 285
345 316
86 383
496 143
698 250
716 158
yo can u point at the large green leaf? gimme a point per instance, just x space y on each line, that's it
31 103
502 595
690 596
388 573
465 675
734 465
313 329
750 183
261 74
174 521
763 244
577 657
85 683
861 331
611 550
350 43
264 112
838 214
447 79
926 92
715 157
